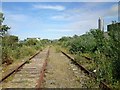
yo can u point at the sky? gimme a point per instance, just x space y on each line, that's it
52 20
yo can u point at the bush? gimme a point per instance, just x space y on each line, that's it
26 51
102 47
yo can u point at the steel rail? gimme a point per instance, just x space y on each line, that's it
42 72
102 84
16 69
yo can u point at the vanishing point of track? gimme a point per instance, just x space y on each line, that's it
43 68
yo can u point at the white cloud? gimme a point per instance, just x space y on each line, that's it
58 17
15 21
86 13
59 30
112 11
20 22
83 19
62 17
51 7
17 17
81 26
79 20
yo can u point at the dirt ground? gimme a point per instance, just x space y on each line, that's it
62 73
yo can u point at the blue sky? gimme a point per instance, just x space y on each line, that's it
53 20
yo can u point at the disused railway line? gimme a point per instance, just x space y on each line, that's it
21 68
17 68
101 85
39 83
42 72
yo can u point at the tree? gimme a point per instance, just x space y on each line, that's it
3 28
114 41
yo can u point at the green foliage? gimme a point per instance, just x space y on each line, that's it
114 51
13 49
45 42
79 44
3 28
6 58
26 51
102 47
9 41
31 42
82 44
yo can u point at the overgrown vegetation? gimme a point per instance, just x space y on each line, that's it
104 50
102 47
13 49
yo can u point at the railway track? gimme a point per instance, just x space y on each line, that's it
35 72
39 83
62 73
28 75
17 68
102 84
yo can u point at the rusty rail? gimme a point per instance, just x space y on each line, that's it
42 72
76 63
102 84
16 69
88 58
